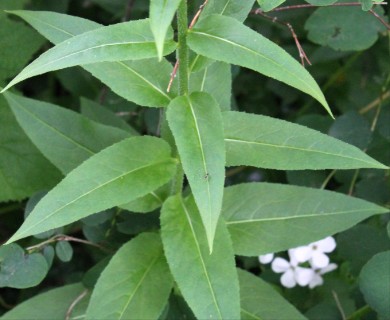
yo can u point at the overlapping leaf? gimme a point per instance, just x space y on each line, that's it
123 41
264 218
136 81
65 137
23 169
260 301
138 282
226 39
52 304
118 174
266 142
161 15
196 124
207 281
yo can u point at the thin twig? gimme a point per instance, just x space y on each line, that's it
62 237
128 10
327 179
338 304
342 4
74 303
193 21
304 6
234 171
302 53
374 103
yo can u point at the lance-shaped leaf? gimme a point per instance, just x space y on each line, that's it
265 142
207 281
23 169
161 15
226 39
123 41
196 124
63 136
118 174
138 282
264 218
136 81
268 5
260 301
52 304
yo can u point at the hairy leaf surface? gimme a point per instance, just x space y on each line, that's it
207 281
196 124
257 214
118 174
266 142
136 283
226 39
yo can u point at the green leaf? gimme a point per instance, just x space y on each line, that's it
98 113
122 41
18 43
226 39
118 174
65 137
161 16
136 283
264 218
20 270
266 142
344 28
236 9
52 304
215 79
260 301
374 283
136 81
23 169
268 5
196 124
366 4
207 281
64 251
322 2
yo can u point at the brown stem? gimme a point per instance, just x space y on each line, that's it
128 10
62 237
74 303
173 75
302 53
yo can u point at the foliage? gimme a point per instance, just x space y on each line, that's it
146 162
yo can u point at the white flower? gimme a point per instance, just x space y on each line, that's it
292 273
317 279
314 252
266 258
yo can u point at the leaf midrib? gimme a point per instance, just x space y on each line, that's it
297 148
316 215
201 257
258 54
90 191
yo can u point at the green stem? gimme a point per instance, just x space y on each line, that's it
358 314
182 24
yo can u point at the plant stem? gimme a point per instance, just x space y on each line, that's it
358 314
182 23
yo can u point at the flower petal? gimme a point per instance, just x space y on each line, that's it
288 279
303 276
301 254
266 258
280 265
326 245
319 260
316 281
330 267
